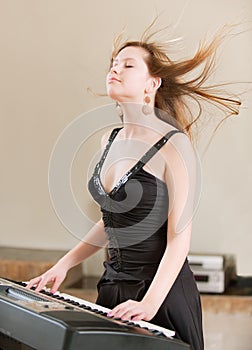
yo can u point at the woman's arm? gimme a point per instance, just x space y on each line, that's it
93 241
180 179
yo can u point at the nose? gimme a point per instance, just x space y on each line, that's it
114 69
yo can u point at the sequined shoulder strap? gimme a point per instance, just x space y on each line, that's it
107 147
156 147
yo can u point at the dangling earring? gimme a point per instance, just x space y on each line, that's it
146 109
119 111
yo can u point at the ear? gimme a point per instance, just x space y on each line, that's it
153 85
157 81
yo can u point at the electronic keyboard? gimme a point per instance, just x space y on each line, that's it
45 321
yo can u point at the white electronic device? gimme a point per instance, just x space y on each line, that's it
212 272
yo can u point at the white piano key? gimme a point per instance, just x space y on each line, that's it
167 332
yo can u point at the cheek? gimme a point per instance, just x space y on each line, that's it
138 79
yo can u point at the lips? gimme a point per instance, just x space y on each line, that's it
111 79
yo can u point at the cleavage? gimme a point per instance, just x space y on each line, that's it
116 164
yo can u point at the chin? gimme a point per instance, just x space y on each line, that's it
118 97
114 96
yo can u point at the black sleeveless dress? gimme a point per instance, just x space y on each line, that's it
135 220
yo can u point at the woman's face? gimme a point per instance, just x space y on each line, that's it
129 78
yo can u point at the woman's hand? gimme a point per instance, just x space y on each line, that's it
133 310
55 275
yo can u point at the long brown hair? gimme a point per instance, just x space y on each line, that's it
173 96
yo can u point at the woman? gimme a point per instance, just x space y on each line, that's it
145 183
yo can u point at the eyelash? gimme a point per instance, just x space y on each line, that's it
126 66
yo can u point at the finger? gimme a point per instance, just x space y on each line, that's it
125 313
33 282
121 309
133 312
114 311
139 317
56 284
115 314
111 313
42 283
129 315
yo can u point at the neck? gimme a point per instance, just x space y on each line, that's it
133 116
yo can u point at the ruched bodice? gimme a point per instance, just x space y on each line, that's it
135 217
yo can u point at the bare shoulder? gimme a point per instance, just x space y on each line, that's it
180 139
179 146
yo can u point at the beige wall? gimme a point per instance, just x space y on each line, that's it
51 51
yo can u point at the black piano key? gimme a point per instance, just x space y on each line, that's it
117 318
76 303
155 331
83 307
138 325
101 312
